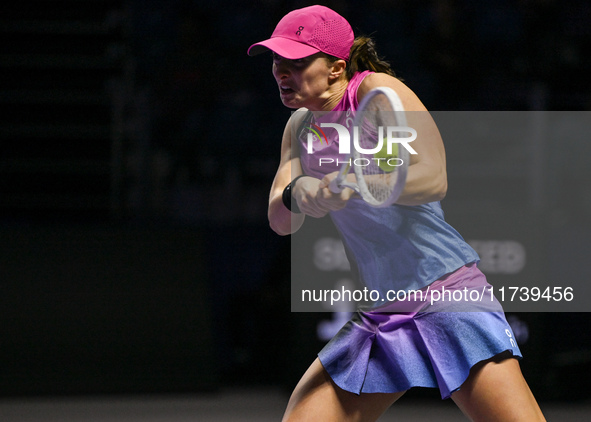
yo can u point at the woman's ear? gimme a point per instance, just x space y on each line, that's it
338 67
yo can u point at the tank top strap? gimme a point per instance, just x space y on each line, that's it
349 100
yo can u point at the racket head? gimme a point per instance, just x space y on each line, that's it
381 170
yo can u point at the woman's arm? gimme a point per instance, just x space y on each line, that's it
311 194
282 220
427 177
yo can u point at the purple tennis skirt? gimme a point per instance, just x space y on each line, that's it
426 340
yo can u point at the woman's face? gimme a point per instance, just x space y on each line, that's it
302 82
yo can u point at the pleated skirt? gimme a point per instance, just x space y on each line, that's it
430 339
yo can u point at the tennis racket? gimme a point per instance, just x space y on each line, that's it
380 171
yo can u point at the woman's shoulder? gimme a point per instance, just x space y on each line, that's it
298 117
295 124
409 99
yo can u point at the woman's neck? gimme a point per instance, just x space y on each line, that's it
334 94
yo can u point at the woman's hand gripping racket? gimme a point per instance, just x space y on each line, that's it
379 164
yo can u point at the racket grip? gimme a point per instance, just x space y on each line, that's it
334 186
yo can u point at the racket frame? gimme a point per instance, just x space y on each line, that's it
339 183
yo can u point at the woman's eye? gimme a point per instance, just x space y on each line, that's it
299 62
294 62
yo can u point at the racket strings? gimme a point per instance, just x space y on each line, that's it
378 168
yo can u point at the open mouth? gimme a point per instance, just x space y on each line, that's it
285 90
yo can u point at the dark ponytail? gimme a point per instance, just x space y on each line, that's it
365 57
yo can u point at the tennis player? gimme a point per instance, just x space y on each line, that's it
380 353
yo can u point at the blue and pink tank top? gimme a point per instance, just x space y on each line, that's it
394 248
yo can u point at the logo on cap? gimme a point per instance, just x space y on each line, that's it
299 31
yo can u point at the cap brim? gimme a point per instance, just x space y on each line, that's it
284 47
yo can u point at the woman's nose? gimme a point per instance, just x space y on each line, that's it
280 69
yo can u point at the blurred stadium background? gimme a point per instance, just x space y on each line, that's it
138 143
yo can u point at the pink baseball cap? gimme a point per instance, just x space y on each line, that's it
307 31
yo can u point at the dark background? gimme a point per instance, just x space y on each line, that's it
138 143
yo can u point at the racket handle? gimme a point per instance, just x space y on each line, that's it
334 186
